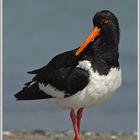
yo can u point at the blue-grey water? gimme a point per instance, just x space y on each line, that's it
37 30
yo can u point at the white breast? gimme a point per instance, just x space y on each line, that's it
99 89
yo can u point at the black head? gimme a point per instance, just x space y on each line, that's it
106 28
108 24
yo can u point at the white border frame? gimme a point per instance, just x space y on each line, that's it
138 68
1 69
1 72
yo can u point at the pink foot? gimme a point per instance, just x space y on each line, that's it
77 138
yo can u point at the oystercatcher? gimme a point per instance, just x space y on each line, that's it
83 77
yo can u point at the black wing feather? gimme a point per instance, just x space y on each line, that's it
62 73
31 93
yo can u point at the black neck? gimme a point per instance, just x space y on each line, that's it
103 54
110 36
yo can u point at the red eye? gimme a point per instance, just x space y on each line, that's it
106 21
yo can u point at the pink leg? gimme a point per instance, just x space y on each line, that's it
74 122
79 116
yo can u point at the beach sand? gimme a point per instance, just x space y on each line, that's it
67 135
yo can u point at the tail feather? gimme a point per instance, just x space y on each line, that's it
37 70
33 72
31 93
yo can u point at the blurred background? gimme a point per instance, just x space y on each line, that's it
37 30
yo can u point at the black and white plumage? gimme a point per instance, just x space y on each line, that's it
57 80
81 77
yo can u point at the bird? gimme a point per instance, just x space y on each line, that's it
83 77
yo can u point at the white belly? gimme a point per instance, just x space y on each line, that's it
99 89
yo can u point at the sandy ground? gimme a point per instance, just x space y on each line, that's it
67 135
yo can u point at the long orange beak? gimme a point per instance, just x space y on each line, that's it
94 33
